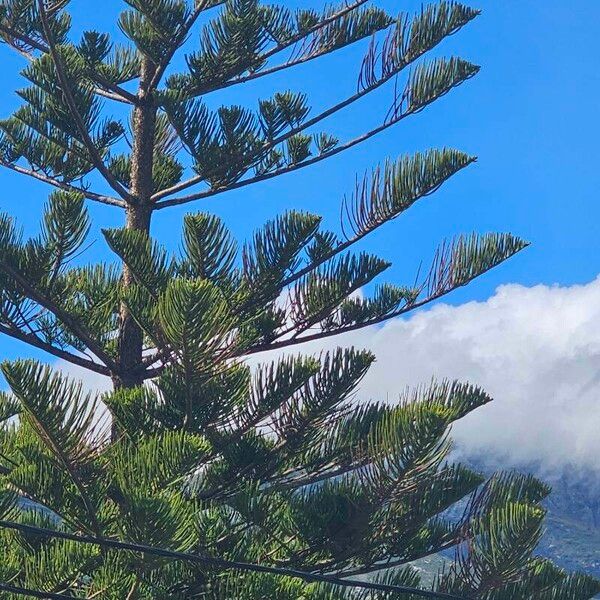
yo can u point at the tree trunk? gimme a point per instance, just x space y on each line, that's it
139 214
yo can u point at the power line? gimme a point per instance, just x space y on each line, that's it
224 564
19 591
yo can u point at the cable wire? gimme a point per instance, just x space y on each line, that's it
225 564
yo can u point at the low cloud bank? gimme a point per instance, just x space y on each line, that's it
535 350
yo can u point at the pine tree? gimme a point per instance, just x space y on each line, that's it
199 476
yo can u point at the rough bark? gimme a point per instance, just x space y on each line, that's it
139 214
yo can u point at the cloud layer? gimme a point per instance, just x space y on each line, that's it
535 350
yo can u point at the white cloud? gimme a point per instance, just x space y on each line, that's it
92 381
535 350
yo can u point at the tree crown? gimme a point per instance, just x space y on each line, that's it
217 479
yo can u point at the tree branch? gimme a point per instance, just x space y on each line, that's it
394 117
283 171
63 315
19 591
280 48
112 91
363 91
48 439
153 372
451 543
85 136
28 40
295 130
109 200
359 236
35 341
160 71
321 335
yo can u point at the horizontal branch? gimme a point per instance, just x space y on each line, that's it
111 201
321 335
36 342
283 171
226 564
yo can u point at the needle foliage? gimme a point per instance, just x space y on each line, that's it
270 480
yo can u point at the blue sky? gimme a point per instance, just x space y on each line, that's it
531 116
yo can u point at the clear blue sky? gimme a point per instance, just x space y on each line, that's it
531 116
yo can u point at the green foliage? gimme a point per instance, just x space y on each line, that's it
273 461
396 186
221 57
43 131
209 248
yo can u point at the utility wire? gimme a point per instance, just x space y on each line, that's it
19 591
223 564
